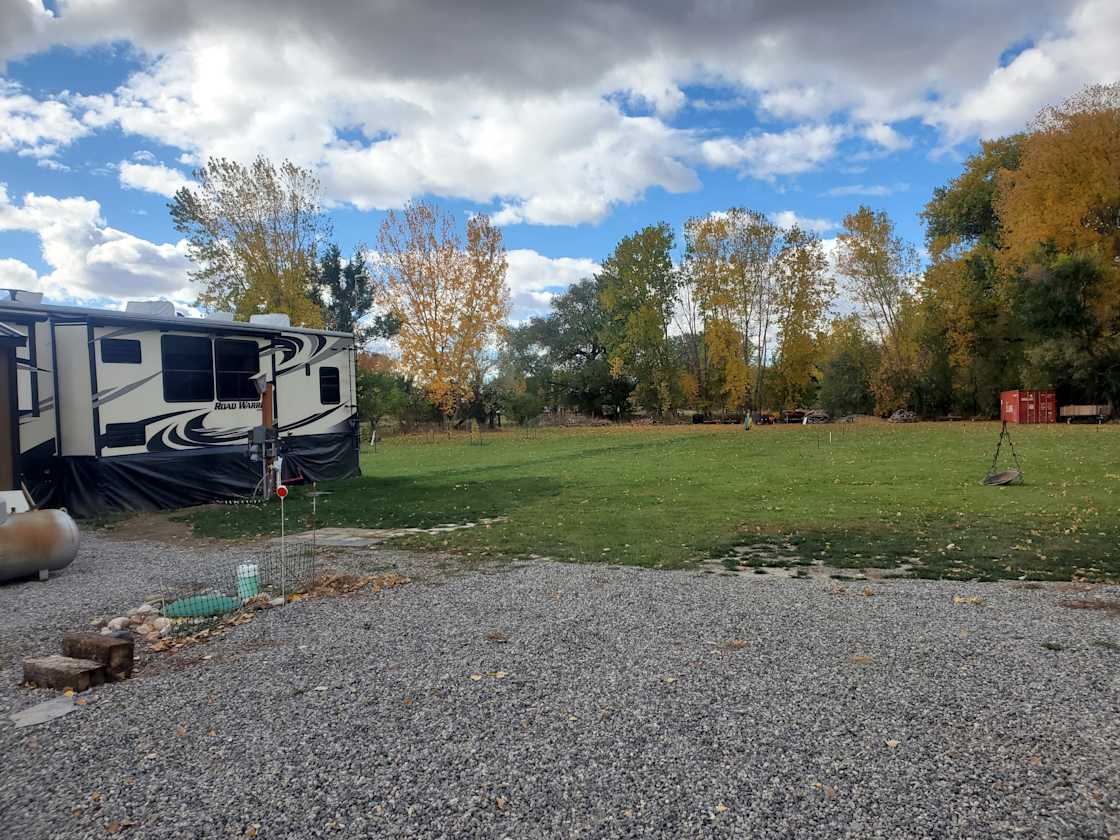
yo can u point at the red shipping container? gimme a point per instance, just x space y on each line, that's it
1028 407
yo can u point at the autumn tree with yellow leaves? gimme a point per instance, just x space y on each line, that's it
449 293
254 233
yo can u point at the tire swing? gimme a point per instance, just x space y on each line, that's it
1012 475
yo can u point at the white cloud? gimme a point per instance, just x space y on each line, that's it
1054 68
535 279
788 219
883 135
867 189
16 274
51 164
559 112
155 178
767 154
35 128
90 259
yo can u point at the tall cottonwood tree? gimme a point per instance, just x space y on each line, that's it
803 292
638 291
882 270
720 286
448 292
1065 192
753 282
254 232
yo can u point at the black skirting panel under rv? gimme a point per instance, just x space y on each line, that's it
180 478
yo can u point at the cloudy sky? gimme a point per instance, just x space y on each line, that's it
571 123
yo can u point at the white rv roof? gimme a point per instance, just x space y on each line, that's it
177 322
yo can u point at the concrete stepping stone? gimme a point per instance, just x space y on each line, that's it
63 672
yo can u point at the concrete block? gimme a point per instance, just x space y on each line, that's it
114 653
62 672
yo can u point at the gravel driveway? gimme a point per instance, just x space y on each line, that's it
622 703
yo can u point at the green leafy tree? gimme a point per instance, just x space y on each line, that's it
563 356
346 291
849 359
639 293
1076 350
523 406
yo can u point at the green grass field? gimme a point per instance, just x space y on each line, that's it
877 495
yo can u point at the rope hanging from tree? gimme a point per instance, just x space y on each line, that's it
1009 476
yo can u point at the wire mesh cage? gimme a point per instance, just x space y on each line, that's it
222 590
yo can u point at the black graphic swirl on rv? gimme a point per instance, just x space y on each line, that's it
189 433
314 418
308 354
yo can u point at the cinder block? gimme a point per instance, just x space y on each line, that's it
62 672
114 653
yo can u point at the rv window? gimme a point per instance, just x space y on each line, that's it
329 393
237 363
188 368
122 351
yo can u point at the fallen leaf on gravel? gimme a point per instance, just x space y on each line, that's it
1035 760
252 830
974 600
333 585
68 692
868 591
476 677
720 808
81 701
892 743
181 731
670 680
117 826
497 636
499 675
860 659
408 701
502 803
736 644
95 796
829 792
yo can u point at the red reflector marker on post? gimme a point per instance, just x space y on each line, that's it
282 491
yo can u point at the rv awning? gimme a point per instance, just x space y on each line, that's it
11 338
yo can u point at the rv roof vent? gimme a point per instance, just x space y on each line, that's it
155 308
271 319
220 316
24 296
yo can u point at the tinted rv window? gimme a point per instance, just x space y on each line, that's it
120 351
188 368
328 386
237 362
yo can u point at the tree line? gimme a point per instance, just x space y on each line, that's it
1021 288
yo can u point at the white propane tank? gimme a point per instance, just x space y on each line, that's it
37 542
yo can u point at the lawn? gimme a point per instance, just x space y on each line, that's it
857 495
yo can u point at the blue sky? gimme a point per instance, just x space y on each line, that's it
572 124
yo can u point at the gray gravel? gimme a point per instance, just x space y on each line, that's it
622 713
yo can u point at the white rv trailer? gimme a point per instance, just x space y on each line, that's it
147 409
